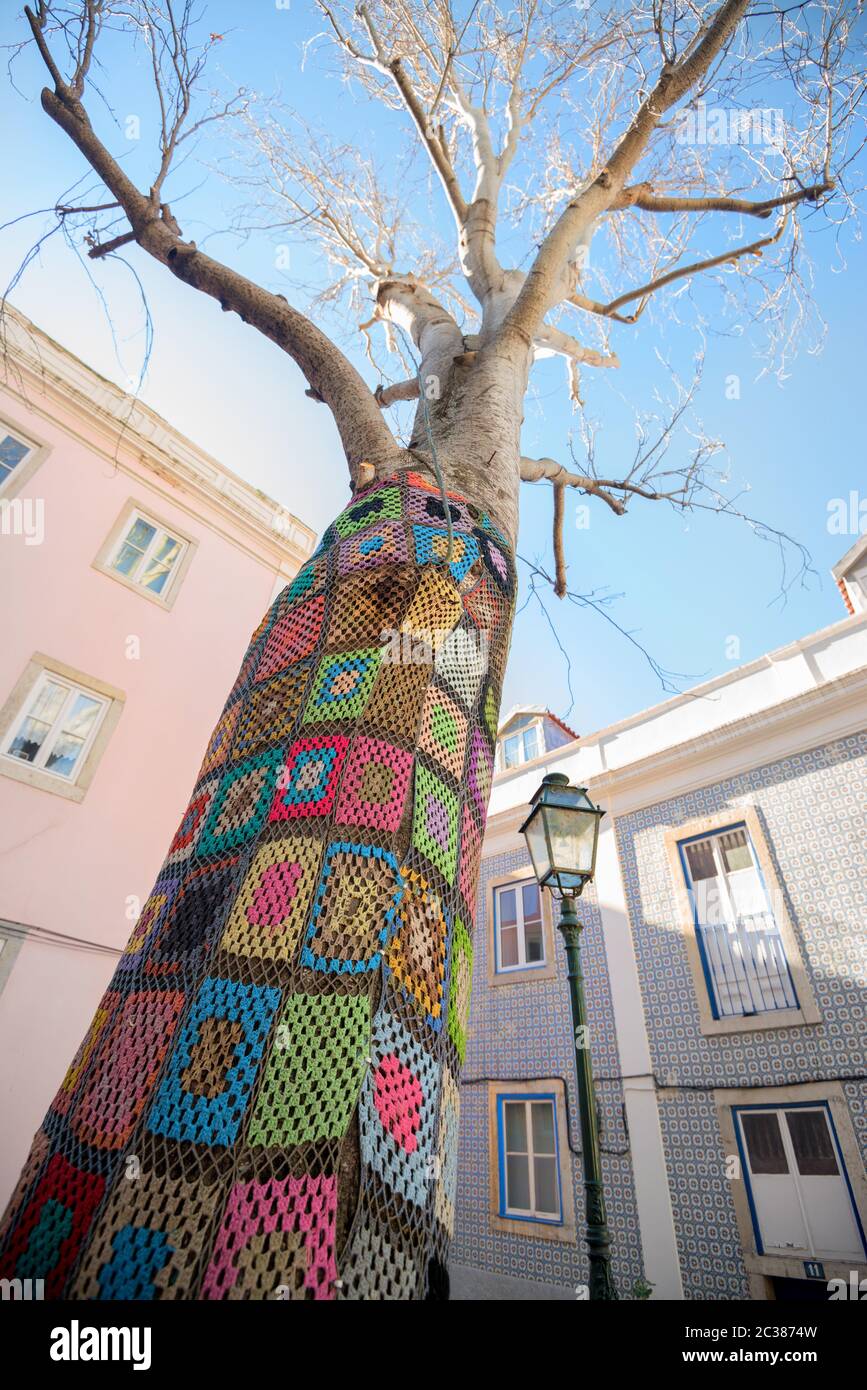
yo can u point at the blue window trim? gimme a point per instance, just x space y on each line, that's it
738 1110
705 964
503 1209
499 968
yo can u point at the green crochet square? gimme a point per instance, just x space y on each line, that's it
314 1072
342 685
460 987
383 505
491 714
435 822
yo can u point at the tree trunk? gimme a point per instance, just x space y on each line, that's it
266 1104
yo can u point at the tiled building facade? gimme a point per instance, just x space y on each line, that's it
728 1088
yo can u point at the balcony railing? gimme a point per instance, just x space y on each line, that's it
746 966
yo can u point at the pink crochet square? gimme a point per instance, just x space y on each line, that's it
375 784
302 1207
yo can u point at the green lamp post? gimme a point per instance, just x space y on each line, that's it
562 833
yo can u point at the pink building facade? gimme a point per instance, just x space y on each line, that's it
135 567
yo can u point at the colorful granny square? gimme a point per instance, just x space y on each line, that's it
128 1061
314 1071
375 784
269 713
241 803
276 1241
220 743
149 924
435 822
275 901
427 507
460 987
368 606
435 609
375 546
53 1225
149 1239
496 563
462 662
308 783
358 896
342 685
382 505
292 637
480 772
471 849
210 1073
397 1110
106 1010
373 1267
484 606
443 733
432 545
188 928
193 822
447 1152
416 955
396 701
308 579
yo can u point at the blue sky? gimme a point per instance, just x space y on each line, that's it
688 584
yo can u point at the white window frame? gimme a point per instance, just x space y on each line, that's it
37 452
531 1213
40 669
761 1268
6 476
73 690
812 1249
534 727
133 510
735 971
522 963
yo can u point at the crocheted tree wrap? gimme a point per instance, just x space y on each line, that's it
266 1103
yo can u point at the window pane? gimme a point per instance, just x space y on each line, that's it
12 451
29 739
531 742
159 567
48 701
543 1127
64 755
534 948
127 559
81 717
700 859
140 534
811 1140
735 850
764 1143
511 751
507 908
530 902
518 1183
516 1126
545 1174
509 946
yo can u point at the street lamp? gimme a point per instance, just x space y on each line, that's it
562 833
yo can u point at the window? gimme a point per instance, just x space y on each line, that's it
528 1158
56 727
800 1198
521 747
147 555
742 952
13 451
519 934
